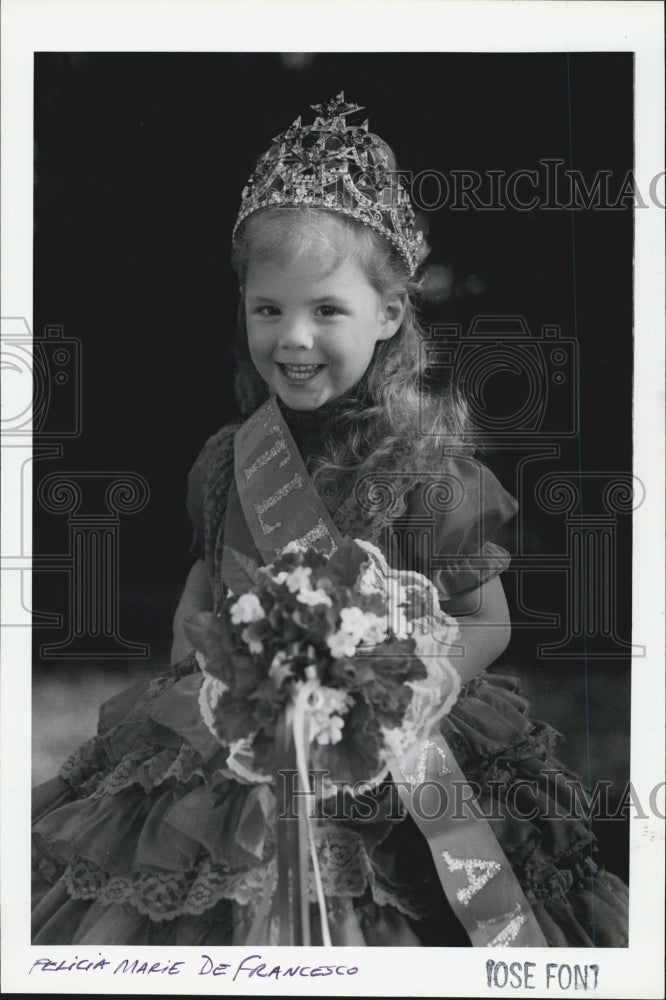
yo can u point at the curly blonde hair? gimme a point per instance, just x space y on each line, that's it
389 420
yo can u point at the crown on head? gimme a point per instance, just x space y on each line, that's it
335 166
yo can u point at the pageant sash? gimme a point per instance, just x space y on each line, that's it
475 874
279 501
280 506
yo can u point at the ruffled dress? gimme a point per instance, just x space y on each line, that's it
146 837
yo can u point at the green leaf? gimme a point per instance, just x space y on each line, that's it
248 673
210 636
240 571
233 718
344 566
357 757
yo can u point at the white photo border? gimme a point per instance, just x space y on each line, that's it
30 26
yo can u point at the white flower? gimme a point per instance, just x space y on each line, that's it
371 628
299 579
247 609
296 545
352 621
340 644
330 700
356 626
313 597
375 629
256 645
328 705
330 732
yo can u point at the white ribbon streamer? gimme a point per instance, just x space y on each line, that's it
301 743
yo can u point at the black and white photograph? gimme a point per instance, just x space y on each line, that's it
333 555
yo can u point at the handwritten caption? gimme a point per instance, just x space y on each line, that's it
248 968
500 976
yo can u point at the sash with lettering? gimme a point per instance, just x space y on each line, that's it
275 500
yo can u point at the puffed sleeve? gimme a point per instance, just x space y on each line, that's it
470 509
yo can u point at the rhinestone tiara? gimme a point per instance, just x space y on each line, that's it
339 167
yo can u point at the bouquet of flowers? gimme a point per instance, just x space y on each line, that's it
358 648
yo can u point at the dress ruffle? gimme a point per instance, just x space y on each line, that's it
498 746
145 837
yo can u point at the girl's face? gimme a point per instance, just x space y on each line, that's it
311 333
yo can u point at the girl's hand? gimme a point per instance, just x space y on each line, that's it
485 627
197 596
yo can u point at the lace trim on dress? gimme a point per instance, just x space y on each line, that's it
85 766
167 895
406 903
344 863
345 867
151 767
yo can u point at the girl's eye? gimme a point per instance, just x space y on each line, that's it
267 311
328 311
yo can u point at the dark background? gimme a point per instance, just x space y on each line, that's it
139 164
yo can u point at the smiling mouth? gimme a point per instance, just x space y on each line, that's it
300 373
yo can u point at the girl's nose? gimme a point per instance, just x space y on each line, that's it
296 333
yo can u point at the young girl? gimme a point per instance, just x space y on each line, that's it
147 836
